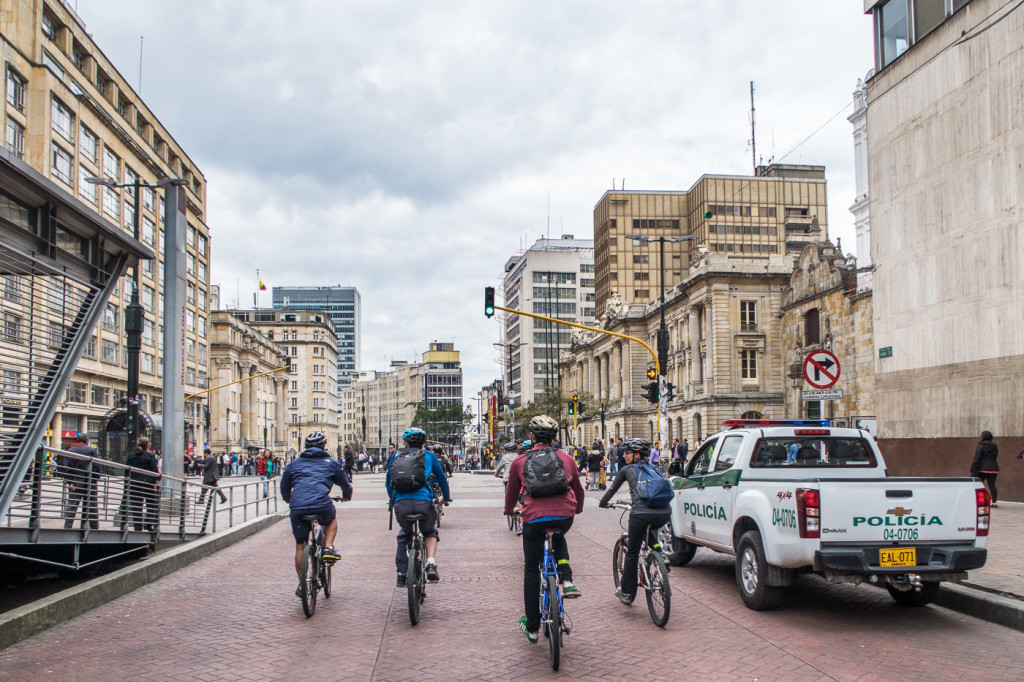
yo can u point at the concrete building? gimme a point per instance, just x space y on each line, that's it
945 146
70 115
311 399
778 211
251 415
554 277
377 406
343 305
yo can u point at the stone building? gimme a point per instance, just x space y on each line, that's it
725 352
945 140
310 392
247 416
823 308
70 115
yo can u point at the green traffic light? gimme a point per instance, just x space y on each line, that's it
708 215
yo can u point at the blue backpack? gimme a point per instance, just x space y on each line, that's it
652 487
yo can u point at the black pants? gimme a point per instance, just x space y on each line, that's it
640 525
202 495
990 481
81 494
428 527
533 554
144 496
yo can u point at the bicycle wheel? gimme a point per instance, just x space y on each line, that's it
518 522
325 578
413 584
308 587
554 622
618 562
511 521
659 592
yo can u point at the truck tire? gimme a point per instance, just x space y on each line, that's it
752 574
678 551
914 598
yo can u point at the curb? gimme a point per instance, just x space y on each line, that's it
31 619
981 604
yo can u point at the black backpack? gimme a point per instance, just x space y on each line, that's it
409 470
544 474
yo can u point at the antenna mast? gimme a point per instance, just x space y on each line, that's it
753 136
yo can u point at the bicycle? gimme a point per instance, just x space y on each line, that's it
416 580
316 572
515 522
553 618
652 570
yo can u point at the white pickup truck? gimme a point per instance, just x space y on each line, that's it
790 497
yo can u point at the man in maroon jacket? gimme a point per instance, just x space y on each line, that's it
541 514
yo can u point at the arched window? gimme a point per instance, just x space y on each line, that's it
812 328
752 414
698 434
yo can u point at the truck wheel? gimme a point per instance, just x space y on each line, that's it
678 551
914 598
752 574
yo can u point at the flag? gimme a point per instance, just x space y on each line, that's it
263 287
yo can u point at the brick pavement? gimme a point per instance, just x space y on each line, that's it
233 616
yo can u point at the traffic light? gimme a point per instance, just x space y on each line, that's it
670 391
573 402
489 301
652 374
651 392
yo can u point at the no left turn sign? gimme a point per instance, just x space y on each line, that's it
821 369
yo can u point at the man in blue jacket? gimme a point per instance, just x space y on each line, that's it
306 487
399 479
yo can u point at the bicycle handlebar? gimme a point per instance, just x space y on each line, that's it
620 504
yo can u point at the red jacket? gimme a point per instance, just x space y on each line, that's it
569 504
261 466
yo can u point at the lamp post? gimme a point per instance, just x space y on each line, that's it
134 315
663 329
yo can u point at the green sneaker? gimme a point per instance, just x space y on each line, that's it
530 636
570 591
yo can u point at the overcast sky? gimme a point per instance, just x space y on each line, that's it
409 148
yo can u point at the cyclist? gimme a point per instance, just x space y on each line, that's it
540 514
408 485
501 471
306 487
642 519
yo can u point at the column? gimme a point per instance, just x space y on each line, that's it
255 434
280 413
245 411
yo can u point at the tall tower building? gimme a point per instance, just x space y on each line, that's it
554 277
342 305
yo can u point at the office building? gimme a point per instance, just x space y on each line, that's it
342 305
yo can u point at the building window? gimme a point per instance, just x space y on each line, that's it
61 164
202 327
893 31
12 328
642 294
201 245
190 292
190 349
55 336
76 392
190 321
62 120
110 318
190 376
748 316
147 198
16 86
147 297
202 354
90 347
16 137
108 352
190 264
147 332
111 202
640 258
201 303
148 231
100 395
49 27
201 272
86 189
641 276
812 328
748 364
295 402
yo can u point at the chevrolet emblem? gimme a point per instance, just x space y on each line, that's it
899 511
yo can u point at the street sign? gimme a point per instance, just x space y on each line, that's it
821 369
827 394
885 352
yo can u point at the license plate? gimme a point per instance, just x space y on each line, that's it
898 556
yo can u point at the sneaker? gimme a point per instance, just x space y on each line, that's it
569 590
432 576
400 580
624 598
531 637
332 555
298 591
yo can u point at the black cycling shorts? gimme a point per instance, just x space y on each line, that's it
301 527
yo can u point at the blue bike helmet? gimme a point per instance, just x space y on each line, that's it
414 437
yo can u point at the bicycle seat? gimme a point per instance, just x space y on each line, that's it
415 517
311 517
553 531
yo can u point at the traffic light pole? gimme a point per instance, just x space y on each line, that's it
643 343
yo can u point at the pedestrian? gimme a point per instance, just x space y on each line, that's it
349 462
684 449
620 455
81 484
142 490
234 464
984 465
655 457
261 470
594 463
211 474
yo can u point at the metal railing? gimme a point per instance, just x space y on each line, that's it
69 498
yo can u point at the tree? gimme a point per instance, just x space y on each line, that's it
555 404
445 423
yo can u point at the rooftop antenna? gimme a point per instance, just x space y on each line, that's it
549 214
141 39
753 137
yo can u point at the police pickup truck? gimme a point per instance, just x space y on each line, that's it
791 497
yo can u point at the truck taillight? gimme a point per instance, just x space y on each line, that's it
808 512
984 501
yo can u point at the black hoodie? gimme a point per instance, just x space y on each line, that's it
985 455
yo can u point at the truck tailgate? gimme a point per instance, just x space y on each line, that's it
898 510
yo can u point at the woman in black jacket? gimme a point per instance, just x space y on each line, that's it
984 465
143 486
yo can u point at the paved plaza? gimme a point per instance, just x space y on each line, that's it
233 616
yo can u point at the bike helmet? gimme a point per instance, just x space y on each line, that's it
543 428
316 440
640 445
414 437
524 446
509 447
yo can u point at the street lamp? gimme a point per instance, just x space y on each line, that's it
663 330
134 315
